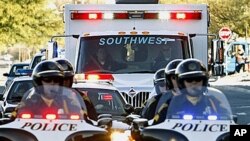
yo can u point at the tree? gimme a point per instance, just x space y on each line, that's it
27 22
232 13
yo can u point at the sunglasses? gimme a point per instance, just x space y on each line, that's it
49 80
161 84
196 79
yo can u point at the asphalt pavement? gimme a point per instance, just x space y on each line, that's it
236 88
234 79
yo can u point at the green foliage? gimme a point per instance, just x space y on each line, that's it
232 13
27 22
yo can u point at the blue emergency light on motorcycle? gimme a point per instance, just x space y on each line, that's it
212 117
188 117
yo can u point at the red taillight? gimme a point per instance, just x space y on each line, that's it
26 115
74 117
50 116
86 16
185 15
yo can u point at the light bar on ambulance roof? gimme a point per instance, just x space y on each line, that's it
185 15
86 16
164 15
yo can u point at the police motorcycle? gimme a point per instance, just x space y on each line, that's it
63 120
209 121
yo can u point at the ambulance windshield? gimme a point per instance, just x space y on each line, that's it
51 102
130 53
210 105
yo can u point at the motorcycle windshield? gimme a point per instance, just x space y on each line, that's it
200 103
51 102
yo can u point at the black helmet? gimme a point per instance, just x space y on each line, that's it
46 69
159 80
67 69
159 75
169 71
191 69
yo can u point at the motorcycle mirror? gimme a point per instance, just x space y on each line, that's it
140 123
105 122
104 116
128 108
217 57
235 118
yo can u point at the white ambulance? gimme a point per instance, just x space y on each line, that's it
138 39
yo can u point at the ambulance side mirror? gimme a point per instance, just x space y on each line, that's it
52 51
217 51
217 57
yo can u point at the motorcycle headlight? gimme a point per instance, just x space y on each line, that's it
121 136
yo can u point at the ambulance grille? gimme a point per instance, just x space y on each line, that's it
136 100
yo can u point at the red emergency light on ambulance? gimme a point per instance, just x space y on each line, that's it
136 40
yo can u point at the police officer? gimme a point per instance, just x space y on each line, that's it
173 89
194 99
148 109
155 106
159 82
47 94
68 79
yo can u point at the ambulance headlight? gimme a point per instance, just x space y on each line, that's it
120 136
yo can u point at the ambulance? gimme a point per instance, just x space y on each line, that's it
139 40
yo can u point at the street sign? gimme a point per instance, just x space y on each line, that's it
225 33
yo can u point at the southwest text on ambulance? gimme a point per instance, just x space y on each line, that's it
132 40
